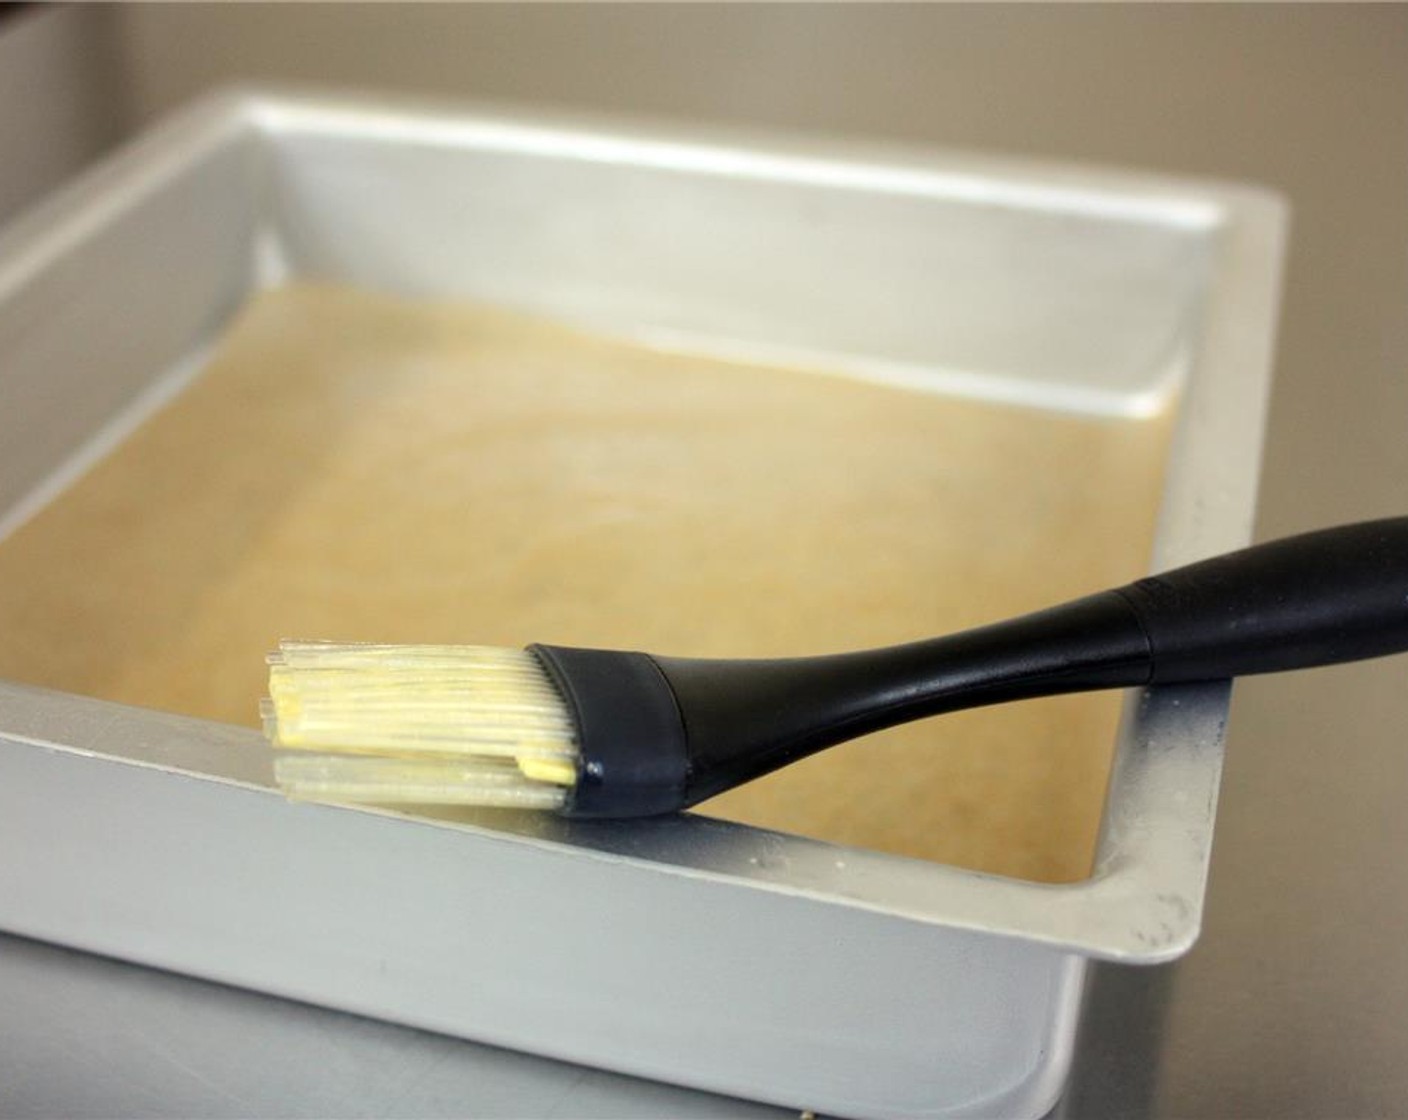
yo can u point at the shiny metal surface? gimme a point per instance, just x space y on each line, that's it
248 189
156 1044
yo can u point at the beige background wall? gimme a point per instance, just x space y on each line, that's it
1294 1004
58 77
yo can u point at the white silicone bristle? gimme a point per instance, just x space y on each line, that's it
427 724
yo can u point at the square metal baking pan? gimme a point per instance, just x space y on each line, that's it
686 949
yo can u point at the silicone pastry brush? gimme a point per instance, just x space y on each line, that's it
602 733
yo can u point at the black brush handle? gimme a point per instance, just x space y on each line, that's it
1317 599
1324 597
663 733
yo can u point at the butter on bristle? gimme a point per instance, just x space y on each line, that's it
548 770
391 724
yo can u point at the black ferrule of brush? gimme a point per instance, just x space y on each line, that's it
634 755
